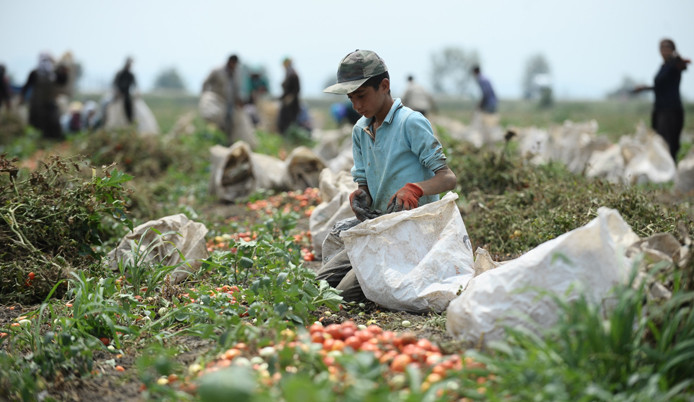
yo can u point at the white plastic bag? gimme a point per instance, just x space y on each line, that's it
607 163
178 234
237 172
303 168
415 260
334 193
650 161
142 116
211 108
684 180
590 260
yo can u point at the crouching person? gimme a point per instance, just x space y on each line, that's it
398 162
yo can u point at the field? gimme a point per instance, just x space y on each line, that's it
253 324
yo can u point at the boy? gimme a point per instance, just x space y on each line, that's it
398 163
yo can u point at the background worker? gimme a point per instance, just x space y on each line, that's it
488 102
418 98
225 84
667 118
123 83
289 101
41 91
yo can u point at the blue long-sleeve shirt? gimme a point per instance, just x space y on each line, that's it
488 102
404 150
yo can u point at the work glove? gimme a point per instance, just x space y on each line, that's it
406 198
360 201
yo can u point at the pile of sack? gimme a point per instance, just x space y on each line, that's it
642 157
237 171
421 260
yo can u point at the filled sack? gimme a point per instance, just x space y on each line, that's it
588 261
173 241
334 194
417 260
236 172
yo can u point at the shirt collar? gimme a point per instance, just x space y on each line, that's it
364 123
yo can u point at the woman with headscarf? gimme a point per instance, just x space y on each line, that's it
289 101
40 88
667 118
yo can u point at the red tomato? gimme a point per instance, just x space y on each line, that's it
425 344
338 345
334 330
317 337
328 344
368 347
388 356
349 324
363 335
232 354
400 362
315 327
105 341
413 351
353 342
32 276
439 369
329 361
347 332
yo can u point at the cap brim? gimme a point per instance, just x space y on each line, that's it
344 88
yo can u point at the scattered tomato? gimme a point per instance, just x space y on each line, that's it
400 362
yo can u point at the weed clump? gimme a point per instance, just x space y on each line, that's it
513 206
141 156
51 220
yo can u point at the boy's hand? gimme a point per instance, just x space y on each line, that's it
360 201
406 198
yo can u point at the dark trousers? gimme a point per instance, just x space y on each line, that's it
128 103
337 271
287 115
668 123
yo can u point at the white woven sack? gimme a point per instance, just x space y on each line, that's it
415 260
589 260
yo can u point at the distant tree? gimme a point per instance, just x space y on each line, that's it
451 70
625 90
169 79
536 76
537 82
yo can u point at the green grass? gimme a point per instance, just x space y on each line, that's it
640 353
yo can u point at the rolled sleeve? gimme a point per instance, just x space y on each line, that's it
424 144
358 171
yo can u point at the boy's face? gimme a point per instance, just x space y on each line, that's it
368 101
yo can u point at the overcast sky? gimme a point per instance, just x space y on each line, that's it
591 45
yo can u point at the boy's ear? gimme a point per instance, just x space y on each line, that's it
385 84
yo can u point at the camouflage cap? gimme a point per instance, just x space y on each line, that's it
355 69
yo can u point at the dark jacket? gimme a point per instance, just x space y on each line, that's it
666 86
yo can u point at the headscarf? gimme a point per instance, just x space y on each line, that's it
45 67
